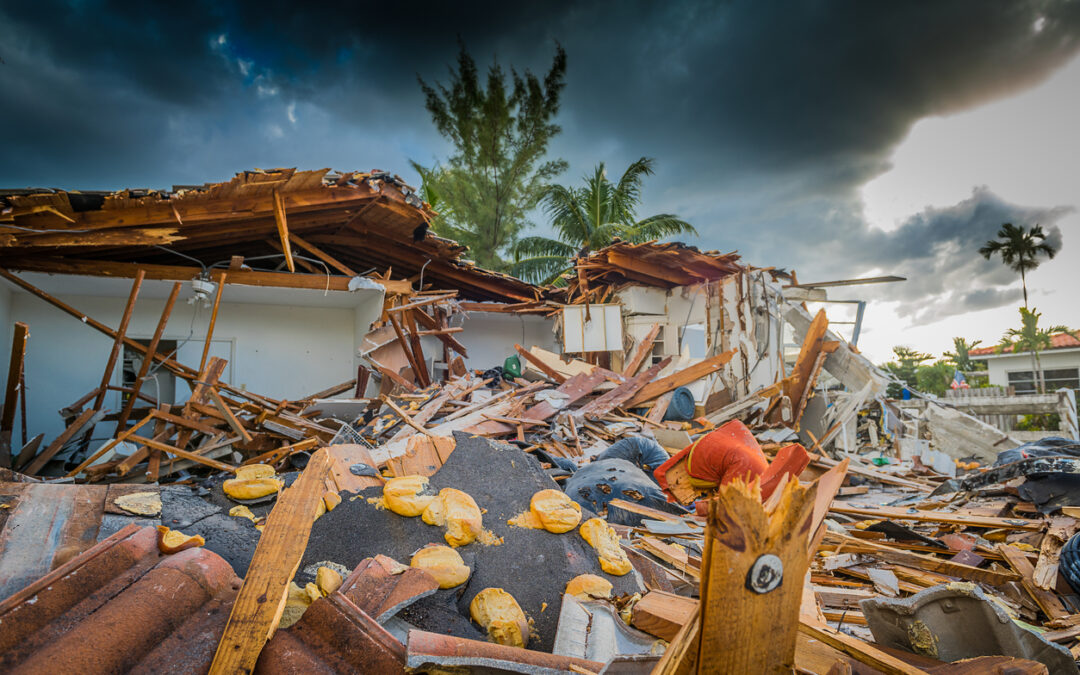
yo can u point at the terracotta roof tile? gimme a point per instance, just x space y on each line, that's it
1057 341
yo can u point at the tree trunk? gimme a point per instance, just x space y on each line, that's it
1042 378
1023 282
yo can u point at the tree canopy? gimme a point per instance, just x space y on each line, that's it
500 131
591 217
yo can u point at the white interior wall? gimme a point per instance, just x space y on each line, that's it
489 337
279 351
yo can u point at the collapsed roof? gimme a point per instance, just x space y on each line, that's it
330 224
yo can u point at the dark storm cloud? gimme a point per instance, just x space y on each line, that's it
766 117
934 250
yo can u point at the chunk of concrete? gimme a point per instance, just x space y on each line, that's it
958 621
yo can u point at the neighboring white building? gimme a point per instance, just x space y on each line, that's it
1060 365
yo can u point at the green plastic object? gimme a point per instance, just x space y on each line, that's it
511 367
880 461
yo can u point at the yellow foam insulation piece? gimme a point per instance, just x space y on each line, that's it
251 488
312 591
174 541
297 601
550 510
602 537
327 580
407 495
501 616
443 563
589 587
331 500
140 503
241 511
459 513
255 472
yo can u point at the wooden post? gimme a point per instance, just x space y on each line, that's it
213 320
259 604
121 422
283 230
119 340
751 588
11 393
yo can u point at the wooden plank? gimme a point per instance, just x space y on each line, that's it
575 388
620 394
322 255
540 365
429 322
344 456
403 415
118 341
423 456
862 652
213 319
642 351
659 408
123 436
144 368
828 485
681 378
230 418
283 230
261 599
173 450
919 561
419 370
1060 531
417 349
1047 601
11 392
194 424
66 435
898 513
663 614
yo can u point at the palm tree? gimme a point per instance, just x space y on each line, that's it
1019 249
1030 338
589 218
961 358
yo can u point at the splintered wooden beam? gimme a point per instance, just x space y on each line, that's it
123 436
144 368
213 319
173 450
75 427
118 342
261 599
681 378
752 574
283 230
410 356
322 255
229 416
11 392
644 348
540 365
417 347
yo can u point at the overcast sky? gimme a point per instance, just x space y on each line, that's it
840 139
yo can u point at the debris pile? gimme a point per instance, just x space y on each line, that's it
671 493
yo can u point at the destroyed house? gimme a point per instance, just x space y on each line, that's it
299 432
307 259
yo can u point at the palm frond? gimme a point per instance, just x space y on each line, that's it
564 206
531 247
540 269
658 227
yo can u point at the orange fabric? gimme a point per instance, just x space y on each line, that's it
790 460
720 456
725 454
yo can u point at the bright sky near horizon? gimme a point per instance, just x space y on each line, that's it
1027 148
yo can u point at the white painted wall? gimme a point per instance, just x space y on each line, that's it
489 337
999 367
277 350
